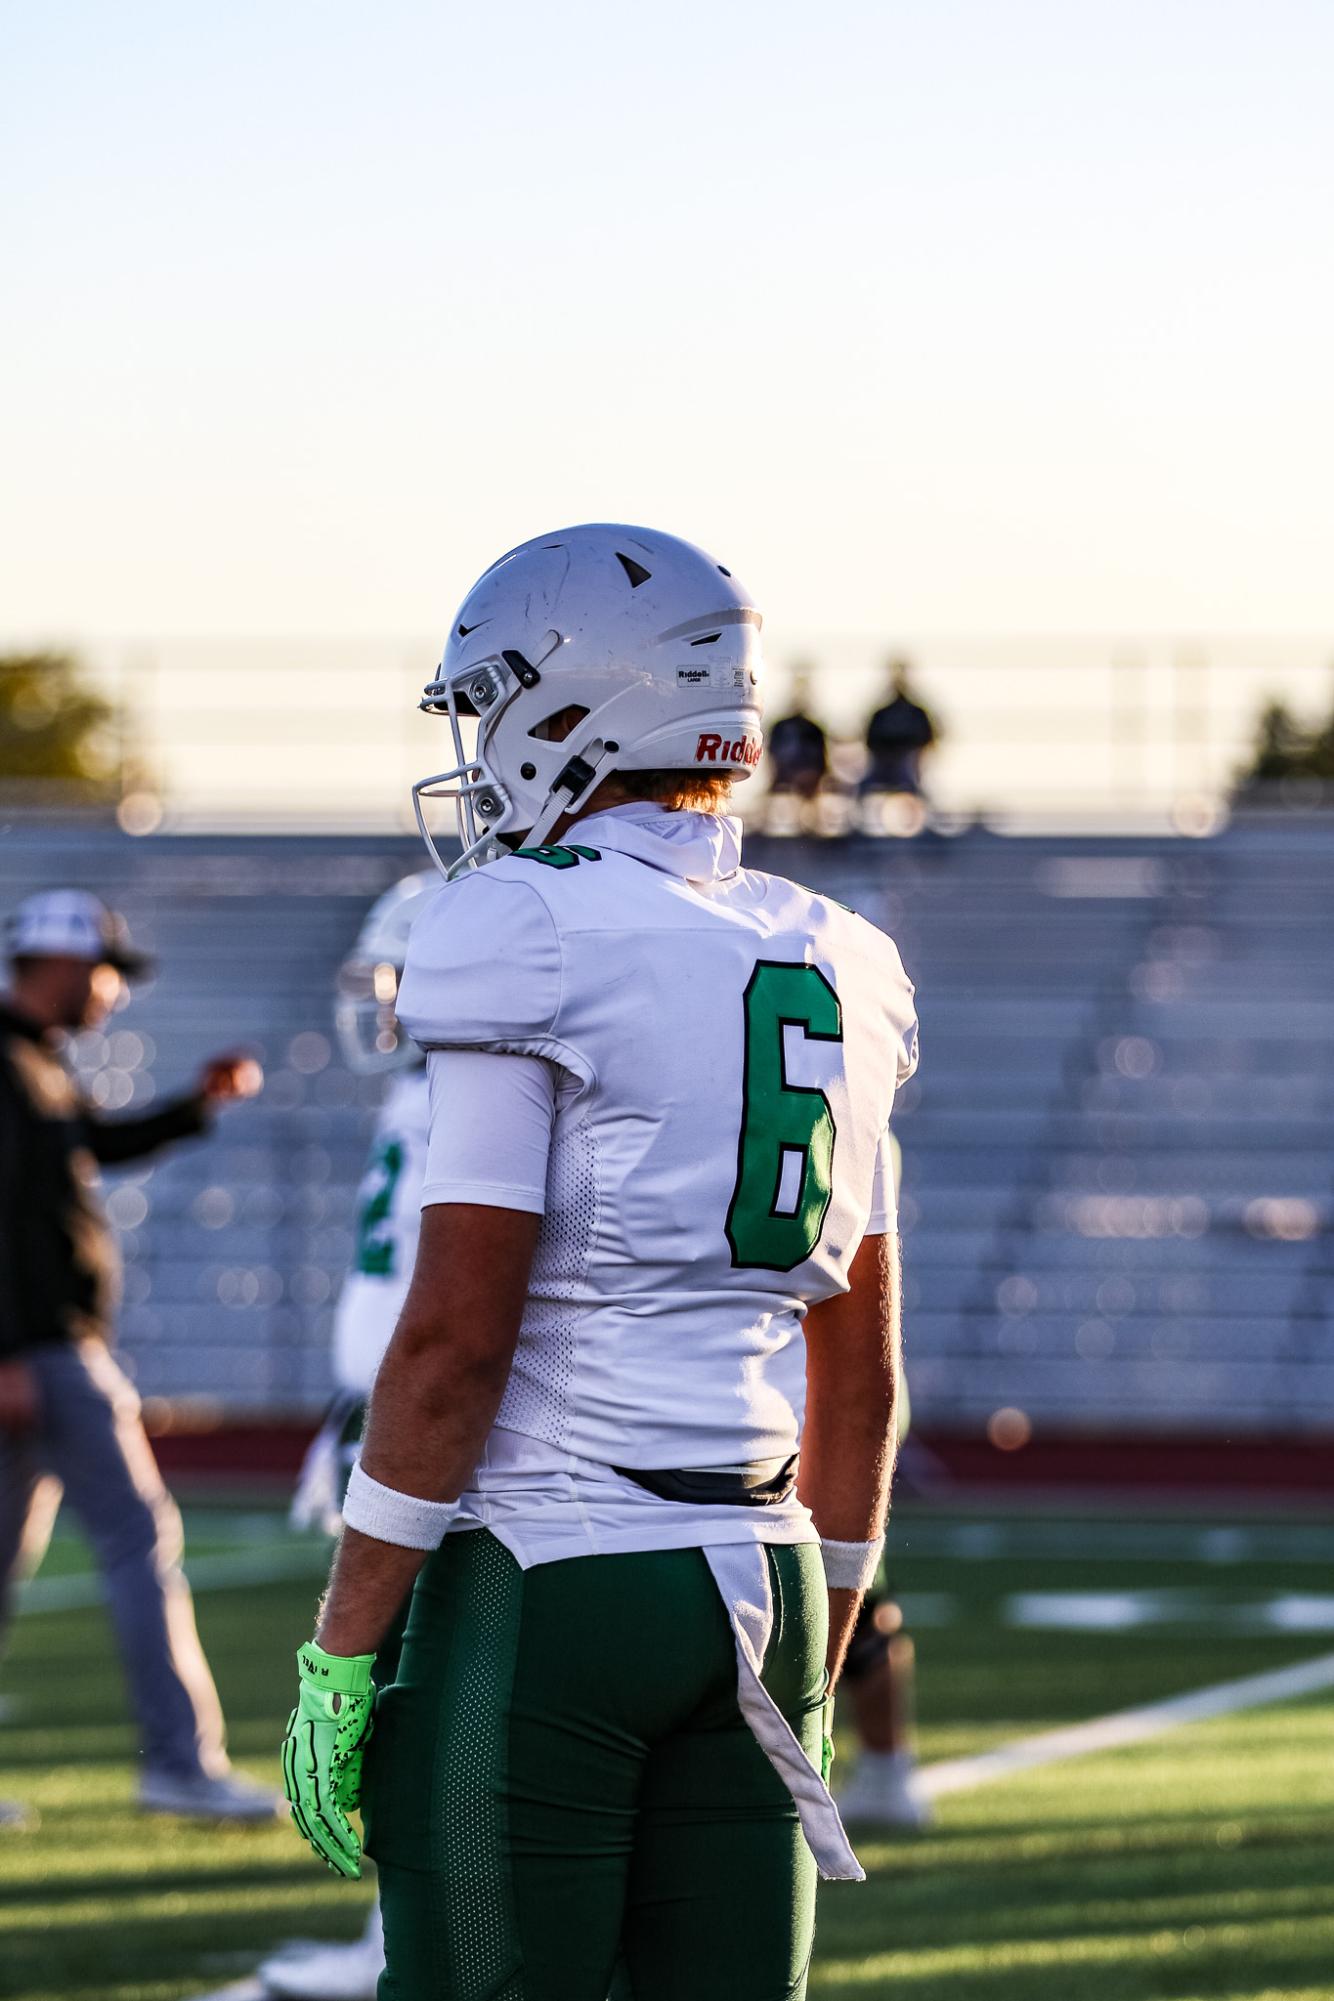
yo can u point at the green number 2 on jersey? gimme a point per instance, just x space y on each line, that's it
375 1237
786 1157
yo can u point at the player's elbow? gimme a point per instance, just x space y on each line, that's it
440 1357
863 1422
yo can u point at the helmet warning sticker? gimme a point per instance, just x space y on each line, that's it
697 675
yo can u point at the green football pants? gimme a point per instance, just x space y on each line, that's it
561 1782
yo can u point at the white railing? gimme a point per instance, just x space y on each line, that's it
270 733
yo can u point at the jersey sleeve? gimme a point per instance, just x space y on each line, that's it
491 1119
483 969
908 1050
883 1220
900 1006
892 997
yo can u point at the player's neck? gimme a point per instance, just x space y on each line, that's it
609 794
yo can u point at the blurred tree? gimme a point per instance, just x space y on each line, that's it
1288 748
54 728
1322 751
1282 745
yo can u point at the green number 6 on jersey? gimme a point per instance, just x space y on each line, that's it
785 1165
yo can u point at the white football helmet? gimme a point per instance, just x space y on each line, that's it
655 643
367 986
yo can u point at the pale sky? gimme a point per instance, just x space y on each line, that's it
971 316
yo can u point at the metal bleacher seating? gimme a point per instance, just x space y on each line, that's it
1117 1197
1118 1168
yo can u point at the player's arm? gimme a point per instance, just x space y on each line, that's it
222 1080
440 1384
850 1434
435 1399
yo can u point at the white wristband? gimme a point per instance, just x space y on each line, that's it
389 1516
848 1566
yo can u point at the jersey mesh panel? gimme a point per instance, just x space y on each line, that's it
477 1950
536 1397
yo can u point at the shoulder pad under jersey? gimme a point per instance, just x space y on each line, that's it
483 965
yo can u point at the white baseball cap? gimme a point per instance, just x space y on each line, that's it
72 924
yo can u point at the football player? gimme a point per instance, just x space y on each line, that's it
388 1216
879 1677
669 1082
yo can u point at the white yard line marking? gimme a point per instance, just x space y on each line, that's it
206 1573
1124 1611
240 1990
1094 1611
1127 1726
1297 1612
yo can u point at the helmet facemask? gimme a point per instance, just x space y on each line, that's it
496 691
368 1028
552 776
366 990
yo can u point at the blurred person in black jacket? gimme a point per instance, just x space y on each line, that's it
898 737
797 748
69 1418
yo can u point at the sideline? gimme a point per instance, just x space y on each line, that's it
1126 1726
205 1573
1169 1541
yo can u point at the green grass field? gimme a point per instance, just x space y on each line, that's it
1197 1867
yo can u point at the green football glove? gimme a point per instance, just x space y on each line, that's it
827 1739
326 1735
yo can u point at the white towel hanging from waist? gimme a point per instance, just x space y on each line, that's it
741 1572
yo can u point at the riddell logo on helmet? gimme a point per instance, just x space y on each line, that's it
714 749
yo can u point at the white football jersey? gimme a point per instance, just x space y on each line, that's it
728 1046
388 1223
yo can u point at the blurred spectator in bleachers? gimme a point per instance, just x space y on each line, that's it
898 737
797 747
69 1418
798 765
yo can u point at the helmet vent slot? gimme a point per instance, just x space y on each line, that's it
635 571
557 726
709 639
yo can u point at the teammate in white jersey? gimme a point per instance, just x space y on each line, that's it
657 1263
388 1220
